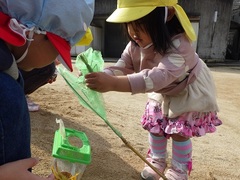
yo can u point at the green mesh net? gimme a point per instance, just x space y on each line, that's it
86 62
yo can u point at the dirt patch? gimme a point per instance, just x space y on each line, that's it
215 156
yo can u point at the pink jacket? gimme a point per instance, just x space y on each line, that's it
148 71
179 80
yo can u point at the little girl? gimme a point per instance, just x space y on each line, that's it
160 60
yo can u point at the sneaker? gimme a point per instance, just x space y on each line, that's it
149 174
172 174
32 107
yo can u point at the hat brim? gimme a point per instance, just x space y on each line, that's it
122 15
63 47
7 34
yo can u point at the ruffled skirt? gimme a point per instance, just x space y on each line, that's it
187 124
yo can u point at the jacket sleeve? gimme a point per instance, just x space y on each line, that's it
124 65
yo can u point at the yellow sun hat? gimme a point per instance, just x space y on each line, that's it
131 10
86 39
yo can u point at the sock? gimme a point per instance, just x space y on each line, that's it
158 146
182 155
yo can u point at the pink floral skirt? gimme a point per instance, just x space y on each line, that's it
188 124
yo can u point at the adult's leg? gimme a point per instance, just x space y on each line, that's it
14 120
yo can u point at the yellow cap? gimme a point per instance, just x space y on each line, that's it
86 39
130 10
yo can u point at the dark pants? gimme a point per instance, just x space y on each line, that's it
37 77
14 120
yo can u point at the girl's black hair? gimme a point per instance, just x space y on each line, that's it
159 31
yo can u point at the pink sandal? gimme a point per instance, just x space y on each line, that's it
149 174
172 174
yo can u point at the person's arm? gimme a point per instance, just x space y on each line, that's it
19 170
103 82
125 65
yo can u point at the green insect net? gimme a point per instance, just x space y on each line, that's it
86 62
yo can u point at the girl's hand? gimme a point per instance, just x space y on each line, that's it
102 82
19 170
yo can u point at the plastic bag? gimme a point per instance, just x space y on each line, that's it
88 61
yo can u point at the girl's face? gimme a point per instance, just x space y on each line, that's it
41 53
138 35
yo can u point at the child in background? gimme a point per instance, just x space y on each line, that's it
32 34
160 60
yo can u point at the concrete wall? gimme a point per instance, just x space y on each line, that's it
105 7
212 37
236 11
